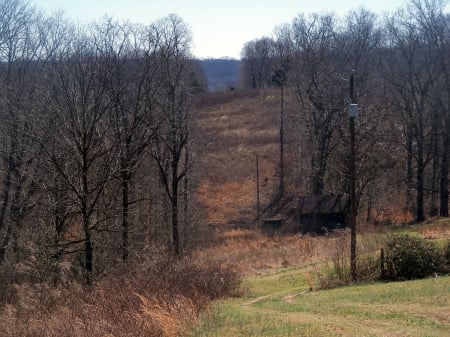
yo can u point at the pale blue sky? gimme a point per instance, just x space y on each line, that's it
219 28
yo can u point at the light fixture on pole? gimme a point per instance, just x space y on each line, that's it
352 110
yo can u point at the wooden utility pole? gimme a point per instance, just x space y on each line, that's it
353 110
279 79
281 187
257 193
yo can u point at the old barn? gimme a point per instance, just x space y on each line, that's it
322 213
309 214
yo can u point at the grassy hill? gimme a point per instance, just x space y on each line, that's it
279 303
283 275
280 270
230 135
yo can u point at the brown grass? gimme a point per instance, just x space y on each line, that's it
235 132
438 229
256 252
163 300
230 200
238 126
166 297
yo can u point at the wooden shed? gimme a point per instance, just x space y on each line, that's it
271 225
322 213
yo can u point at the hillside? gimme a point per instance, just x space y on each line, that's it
280 304
231 135
284 273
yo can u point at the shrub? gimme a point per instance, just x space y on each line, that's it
163 299
338 274
368 268
410 258
447 258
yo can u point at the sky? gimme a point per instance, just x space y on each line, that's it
219 28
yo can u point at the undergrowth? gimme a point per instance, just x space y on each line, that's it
162 299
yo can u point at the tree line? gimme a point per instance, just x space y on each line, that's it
402 86
97 124
95 146
221 74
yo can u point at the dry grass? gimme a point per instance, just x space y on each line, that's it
279 301
437 229
230 200
233 129
169 318
163 300
234 132
256 252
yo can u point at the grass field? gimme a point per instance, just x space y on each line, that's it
280 270
281 304
278 302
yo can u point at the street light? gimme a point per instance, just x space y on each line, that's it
352 114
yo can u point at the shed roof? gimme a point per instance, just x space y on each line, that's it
323 204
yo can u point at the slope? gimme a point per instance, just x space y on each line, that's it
230 135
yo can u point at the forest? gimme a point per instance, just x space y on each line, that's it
95 136
400 67
101 144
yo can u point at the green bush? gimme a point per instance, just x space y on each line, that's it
409 257
447 257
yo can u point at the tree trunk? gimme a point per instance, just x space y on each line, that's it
409 172
281 187
5 242
443 209
88 263
6 189
420 216
4 206
7 184
186 190
174 202
125 218
56 270
433 208
319 167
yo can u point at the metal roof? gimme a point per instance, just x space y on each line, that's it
323 204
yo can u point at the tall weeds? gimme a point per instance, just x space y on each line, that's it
160 300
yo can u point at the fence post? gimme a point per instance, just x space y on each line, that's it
383 270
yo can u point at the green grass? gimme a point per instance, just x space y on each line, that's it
280 304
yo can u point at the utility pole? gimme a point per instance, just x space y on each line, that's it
352 113
279 79
281 188
257 193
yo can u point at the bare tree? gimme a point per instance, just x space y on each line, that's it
130 56
79 148
18 75
257 58
411 72
174 103
435 27
318 64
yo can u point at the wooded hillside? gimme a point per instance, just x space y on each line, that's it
110 145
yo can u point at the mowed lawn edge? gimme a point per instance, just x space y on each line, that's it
279 303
